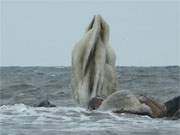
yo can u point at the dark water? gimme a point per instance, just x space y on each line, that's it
23 87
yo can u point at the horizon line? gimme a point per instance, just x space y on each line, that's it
71 66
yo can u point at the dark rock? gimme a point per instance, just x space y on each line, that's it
94 103
172 106
176 115
45 103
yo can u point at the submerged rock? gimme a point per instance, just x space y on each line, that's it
45 103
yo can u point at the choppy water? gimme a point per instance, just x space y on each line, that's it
22 87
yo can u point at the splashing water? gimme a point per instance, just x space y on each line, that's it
22 87
21 119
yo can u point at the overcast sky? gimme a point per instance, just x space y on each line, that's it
43 33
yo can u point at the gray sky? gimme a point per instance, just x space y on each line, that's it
43 33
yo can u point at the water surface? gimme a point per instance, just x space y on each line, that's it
23 87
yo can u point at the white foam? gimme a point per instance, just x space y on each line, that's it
76 117
84 118
65 114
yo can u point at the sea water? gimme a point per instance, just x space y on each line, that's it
21 88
